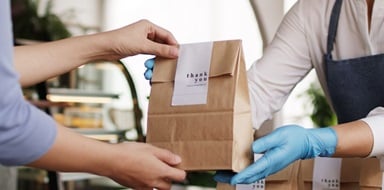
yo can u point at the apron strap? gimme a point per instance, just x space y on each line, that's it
332 28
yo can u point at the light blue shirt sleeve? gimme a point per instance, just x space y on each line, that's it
26 133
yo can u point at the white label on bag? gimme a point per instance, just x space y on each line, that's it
258 185
326 174
192 74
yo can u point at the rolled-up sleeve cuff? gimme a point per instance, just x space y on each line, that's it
376 124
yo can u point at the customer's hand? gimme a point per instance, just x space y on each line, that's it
142 37
143 166
284 146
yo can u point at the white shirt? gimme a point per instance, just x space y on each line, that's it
26 133
300 44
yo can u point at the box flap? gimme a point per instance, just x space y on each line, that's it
224 56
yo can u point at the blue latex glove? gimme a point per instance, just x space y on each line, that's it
224 176
149 63
282 147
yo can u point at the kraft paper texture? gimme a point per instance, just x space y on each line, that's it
212 136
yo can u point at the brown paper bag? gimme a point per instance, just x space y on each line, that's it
349 179
285 179
213 136
371 176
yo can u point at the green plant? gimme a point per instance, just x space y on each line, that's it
29 24
322 114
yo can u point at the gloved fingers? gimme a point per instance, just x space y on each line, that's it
252 173
267 142
148 74
149 63
253 179
224 176
277 159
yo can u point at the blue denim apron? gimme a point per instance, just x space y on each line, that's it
356 86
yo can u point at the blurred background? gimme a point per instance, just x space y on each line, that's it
109 100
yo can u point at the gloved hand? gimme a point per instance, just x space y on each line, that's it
224 176
149 63
284 146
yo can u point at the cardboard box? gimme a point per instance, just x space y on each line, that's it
286 179
349 174
216 135
371 177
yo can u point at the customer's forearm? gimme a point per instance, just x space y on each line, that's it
36 63
73 152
